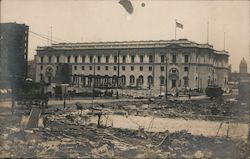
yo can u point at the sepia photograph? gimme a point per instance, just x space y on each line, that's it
125 79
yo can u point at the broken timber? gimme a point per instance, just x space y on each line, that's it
34 118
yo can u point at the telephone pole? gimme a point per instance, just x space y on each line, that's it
166 94
93 88
118 72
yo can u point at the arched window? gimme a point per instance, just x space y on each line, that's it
173 70
162 80
140 80
150 80
106 79
114 79
123 80
132 80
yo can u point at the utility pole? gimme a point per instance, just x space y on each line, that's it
175 29
118 73
166 94
160 83
93 88
51 35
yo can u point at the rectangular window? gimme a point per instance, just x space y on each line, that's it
41 67
83 59
185 68
162 68
58 59
141 68
91 59
106 68
90 67
99 59
141 59
132 68
123 68
186 58
75 67
132 59
76 59
107 59
174 58
150 59
68 59
114 67
123 59
98 67
41 59
49 59
150 68
83 67
162 58
115 59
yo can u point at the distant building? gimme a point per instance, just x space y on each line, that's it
13 53
243 66
242 74
140 64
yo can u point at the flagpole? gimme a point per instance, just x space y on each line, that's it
224 41
208 32
175 29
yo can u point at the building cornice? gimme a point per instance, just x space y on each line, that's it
160 44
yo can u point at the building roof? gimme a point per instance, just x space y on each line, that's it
13 24
129 44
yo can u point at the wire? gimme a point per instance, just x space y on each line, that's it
60 39
43 36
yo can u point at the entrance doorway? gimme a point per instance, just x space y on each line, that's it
173 83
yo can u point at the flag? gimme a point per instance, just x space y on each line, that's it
179 25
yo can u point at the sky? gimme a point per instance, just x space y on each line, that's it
107 20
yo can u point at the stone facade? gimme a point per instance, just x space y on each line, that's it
141 64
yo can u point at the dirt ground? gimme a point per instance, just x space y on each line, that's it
69 132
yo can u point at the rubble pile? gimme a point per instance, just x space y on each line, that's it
67 140
202 109
68 133
133 93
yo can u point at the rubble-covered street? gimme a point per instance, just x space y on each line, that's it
127 129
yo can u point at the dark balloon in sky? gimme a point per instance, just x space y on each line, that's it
143 4
127 5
